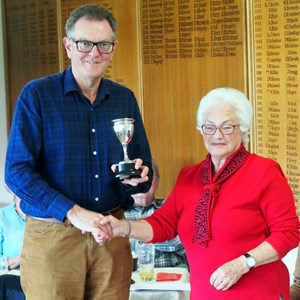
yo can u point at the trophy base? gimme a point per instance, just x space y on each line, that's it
127 170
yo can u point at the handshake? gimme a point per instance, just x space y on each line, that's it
111 227
104 228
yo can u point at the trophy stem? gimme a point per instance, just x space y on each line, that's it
126 158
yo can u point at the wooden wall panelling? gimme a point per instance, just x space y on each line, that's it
188 48
31 43
124 66
275 66
171 53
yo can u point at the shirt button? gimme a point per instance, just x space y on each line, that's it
96 199
96 176
95 152
93 130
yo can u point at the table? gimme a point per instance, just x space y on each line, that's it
164 290
153 290
11 272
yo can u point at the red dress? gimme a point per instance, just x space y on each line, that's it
253 205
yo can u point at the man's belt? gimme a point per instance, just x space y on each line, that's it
117 212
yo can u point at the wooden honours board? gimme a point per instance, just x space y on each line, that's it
31 44
171 53
276 44
188 48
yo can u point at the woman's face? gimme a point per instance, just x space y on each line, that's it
220 145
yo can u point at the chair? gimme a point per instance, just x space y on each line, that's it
10 288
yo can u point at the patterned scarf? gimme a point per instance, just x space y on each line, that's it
201 234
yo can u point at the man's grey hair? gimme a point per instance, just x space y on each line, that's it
93 13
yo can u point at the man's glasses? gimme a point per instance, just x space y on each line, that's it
211 129
87 46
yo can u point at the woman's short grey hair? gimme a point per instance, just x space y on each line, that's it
227 97
93 13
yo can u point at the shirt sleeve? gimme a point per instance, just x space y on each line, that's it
173 245
23 153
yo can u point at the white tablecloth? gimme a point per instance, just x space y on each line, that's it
153 290
11 272
163 290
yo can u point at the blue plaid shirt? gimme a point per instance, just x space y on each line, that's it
167 254
61 147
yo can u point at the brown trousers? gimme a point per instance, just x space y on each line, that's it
59 262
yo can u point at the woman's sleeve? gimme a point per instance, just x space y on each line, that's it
278 206
164 220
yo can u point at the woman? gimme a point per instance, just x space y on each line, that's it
234 212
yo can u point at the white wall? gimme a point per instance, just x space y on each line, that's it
4 196
290 261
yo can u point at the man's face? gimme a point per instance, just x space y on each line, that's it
92 65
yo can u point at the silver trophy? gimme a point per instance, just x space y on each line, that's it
124 129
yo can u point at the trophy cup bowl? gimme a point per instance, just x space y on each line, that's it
124 129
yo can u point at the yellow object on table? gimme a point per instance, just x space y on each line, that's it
162 290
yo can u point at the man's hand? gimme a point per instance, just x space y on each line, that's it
89 221
138 166
142 199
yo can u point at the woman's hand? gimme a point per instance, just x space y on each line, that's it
228 274
138 229
118 227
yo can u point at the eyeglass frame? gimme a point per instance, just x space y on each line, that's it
94 44
220 128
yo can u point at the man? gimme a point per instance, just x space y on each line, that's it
60 153
167 254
